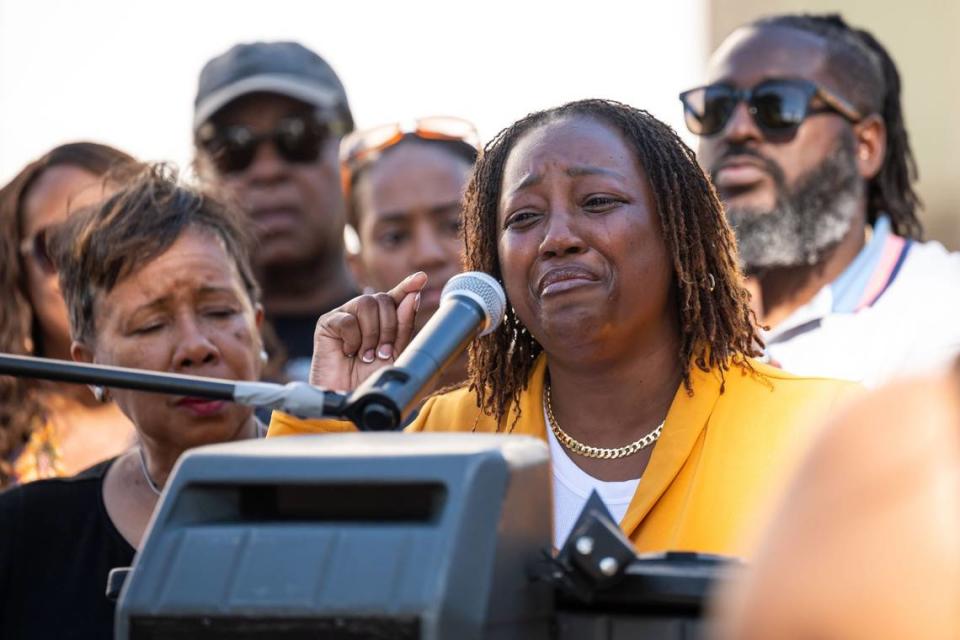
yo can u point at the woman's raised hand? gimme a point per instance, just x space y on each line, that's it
365 334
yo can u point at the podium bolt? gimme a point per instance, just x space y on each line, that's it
609 566
584 545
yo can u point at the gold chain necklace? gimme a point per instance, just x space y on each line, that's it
587 451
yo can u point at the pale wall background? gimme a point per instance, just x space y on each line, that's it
124 71
923 37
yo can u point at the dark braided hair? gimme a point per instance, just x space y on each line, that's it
860 64
716 324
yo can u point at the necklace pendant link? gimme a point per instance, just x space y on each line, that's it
575 446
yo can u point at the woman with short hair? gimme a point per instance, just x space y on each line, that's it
157 277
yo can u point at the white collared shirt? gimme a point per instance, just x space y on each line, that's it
894 311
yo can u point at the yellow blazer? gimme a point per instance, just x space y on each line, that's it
718 463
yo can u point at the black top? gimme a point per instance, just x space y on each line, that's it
57 546
296 334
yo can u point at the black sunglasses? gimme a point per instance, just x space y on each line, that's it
297 139
778 106
36 247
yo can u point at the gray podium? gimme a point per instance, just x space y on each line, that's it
343 536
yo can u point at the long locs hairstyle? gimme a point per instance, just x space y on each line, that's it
717 326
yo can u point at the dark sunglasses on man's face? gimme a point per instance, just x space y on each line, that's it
297 139
778 106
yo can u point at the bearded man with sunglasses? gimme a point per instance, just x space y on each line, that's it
268 120
801 129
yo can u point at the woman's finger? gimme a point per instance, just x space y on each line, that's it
406 315
388 325
413 283
342 326
368 316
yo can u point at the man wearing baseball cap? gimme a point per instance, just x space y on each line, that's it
268 118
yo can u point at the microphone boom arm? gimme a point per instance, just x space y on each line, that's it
297 398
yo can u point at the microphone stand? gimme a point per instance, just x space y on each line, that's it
297 398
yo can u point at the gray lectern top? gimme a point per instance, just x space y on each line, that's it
390 444
361 535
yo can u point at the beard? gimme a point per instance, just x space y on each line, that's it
808 220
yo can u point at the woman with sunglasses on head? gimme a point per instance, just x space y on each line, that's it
49 429
157 277
404 189
627 343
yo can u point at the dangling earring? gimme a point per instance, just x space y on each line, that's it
98 392
711 282
264 356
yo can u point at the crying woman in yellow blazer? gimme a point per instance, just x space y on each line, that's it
626 322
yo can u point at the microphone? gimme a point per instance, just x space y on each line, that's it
471 305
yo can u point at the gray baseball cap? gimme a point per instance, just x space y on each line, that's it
285 68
